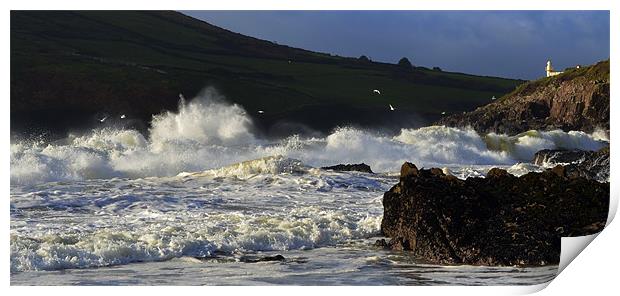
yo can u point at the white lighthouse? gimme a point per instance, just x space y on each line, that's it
550 71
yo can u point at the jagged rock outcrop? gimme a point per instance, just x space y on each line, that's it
497 220
578 99
359 167
577 163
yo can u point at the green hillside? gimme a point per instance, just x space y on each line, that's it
67 67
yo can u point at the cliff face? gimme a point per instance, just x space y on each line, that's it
578 99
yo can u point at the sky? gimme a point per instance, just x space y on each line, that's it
513 44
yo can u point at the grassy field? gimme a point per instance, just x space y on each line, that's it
67 67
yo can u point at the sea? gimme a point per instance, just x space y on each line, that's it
203 199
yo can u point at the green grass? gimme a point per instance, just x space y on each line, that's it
137 62
597 73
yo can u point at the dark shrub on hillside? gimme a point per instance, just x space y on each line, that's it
405 64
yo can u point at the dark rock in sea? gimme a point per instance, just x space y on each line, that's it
247 259
498 220
559 156
578 99
577 163
359 167
381 243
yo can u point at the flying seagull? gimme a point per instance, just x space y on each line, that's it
376 91
391 108
103 119
123 116
443 113
493 98
261 111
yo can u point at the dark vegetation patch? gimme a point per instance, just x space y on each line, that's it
77 64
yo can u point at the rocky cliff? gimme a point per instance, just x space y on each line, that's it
497 220
578 99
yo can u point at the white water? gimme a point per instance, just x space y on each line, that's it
115 221
204 185
208 133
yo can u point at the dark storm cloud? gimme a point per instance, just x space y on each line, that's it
499 43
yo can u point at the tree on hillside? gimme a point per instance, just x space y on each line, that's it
437 69
405 64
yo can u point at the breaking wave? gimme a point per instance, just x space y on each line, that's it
209 133
202 236
243 170
268 204
205 121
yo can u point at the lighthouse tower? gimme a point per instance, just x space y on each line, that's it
549 70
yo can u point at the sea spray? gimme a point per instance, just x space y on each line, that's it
206 120
447 145
523 146
209 133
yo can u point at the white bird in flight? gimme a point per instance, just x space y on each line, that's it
376 91
443 113
261 111
493 98
103 119
392 108
123 116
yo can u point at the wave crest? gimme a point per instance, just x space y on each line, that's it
267 165
208 133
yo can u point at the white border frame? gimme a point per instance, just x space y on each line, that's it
593 270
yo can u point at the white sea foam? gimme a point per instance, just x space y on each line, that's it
601 134
203 184
208 133
119 221
301 228
522 168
